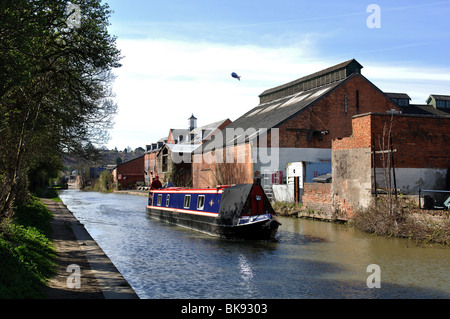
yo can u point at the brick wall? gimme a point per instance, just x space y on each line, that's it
361 135
317 197
211 168
420 141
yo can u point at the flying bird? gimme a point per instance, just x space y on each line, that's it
234 75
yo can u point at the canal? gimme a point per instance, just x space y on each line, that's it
310 259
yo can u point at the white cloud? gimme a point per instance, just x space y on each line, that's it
418 81
161 82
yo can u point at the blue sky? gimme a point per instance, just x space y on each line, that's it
179 54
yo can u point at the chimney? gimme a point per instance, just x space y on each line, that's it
192 122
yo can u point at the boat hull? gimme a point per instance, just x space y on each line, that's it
262 227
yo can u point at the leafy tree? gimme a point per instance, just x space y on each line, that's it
55 93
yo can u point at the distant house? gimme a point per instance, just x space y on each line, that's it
174 159
174 162
403 102
150 169
171 157
440 102
294 122
128 174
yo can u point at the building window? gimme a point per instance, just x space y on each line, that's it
165 159
345 104
440 104
159 200
200 202
357 99
187 201
167 200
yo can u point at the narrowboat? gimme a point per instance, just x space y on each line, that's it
234 212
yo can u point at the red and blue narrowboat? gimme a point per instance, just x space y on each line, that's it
234 212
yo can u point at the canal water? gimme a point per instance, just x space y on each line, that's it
310 259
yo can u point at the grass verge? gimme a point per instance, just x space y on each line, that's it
27 255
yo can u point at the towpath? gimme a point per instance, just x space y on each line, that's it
99 278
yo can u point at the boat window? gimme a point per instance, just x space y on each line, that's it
167 200
159 200
200 202
187 201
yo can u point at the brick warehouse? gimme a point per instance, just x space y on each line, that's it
302 117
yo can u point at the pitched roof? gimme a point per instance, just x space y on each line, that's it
397 95
203 132
423 109
200 134
270 114
323 77
440 97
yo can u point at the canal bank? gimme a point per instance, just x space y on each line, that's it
79 254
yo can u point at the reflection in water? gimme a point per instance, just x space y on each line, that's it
310 259
245 269
247 275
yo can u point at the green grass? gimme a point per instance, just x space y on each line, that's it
27 256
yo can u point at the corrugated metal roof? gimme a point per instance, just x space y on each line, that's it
271 114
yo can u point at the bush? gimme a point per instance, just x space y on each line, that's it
397 221
105 183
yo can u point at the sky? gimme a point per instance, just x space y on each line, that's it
178 55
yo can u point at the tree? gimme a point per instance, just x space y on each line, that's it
55 91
